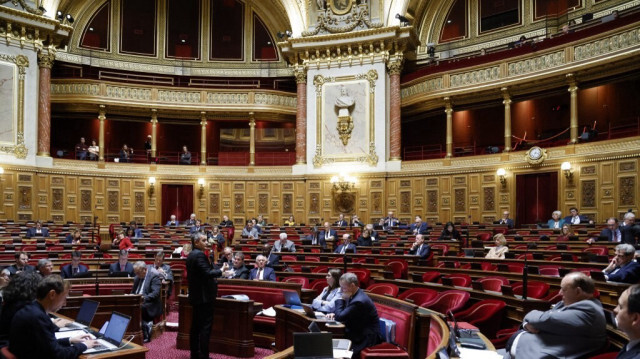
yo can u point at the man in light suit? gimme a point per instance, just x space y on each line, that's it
419 227
346 245
37 231
172 222
148 284
622 267
505 220
122 265
419 248
283 244
75 268
628 320
327 235
261 271
573 328
341 222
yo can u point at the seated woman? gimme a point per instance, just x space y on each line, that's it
365 239
73 237
290 222
565 233
122 241
556 220
326 301
94 151
450 232
500 249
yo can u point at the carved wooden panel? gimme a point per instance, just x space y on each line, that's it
263 203
57 180
87 219
627 191
24 178
489 178
24 197
287 206
238 202
405 202
489 199
460 202
459 180
87 182
344 202
57 199
263 186
112 201
376 184
376 202
314 185
238 186
214 203
405 183
214 186
432 201
287 186
314 203
139 184
58 218
138 205
23 217
85 200
627 166
588 170
588 194
113 183
432 182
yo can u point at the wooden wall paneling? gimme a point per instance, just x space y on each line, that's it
274 203
250 193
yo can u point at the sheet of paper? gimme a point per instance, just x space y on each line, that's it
466 353
69 333
339 353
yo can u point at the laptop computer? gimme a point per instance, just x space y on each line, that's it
312 346
291 298
85 315
113 334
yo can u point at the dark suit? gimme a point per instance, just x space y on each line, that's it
218 239
33 336
185 158
319 239
390 222
67 271
508 222
115 267
341 223
203 290
421 229
611 234
172 224
241 273
151 301
269 274
323 236
195 229
168 275
13 269
31 232
351 248
226 224
273 260
627 274
422 251
364 241
190 223
632 353
362 324
630 234
583 219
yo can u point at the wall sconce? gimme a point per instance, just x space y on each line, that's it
343 182
1 170
152 186
501 174
201 191
566 169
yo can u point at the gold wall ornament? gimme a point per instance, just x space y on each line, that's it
18 148
344 104
344 16
24 5
340 7
345 126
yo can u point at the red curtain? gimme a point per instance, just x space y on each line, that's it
177 199
536 197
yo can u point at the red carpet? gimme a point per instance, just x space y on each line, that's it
164 346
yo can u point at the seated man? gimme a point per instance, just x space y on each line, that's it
365 240
215 237
172 221
573 328
44 267
419 248
505 220
37 231
314 238
575 217
612 232
75 268
249 231
226 256
163 270
341 222
238 270
32 331
226 222
327 235
390 221
283 244
21 264
148 284
358 314
191 221
346 245
628 321
261 271
629 230
122 265
272 258
81 149
418 227
355 221
622 267
196 227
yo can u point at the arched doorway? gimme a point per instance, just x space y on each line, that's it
177 199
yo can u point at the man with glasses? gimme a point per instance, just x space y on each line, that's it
75 268
622 267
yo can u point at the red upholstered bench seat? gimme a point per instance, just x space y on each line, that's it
405 317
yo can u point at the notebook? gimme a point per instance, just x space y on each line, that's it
113 334
312 346
85 315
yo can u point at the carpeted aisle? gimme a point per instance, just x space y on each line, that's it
164 346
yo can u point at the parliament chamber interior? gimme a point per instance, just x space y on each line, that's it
465 159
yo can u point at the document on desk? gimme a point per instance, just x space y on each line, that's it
69 333
466 353
339 353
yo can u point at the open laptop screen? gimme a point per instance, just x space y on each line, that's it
117 327
312 345
87 311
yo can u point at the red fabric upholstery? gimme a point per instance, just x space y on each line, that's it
384 289
320 269
535 289
460 280
7 354
553 297
289 258
104 289
318 285
435 337
600 251
418 295
502 230
611 355
515 267
485 314
396 268
364 276
502 336
449 300
304 281
404 325
404 265
433 277
493 283
444 248
484 236
384 350
551 271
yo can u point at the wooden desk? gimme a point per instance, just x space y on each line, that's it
289 321
232 331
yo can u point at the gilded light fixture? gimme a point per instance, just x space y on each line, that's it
567 170
343 182
502 175
201 191
152 186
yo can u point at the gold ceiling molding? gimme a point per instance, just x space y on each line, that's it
22 28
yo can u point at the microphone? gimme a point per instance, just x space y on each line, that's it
525 274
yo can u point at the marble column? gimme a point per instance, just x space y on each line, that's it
395 135
154 131
573 91
203 138
507 119
102 116
252 139
301 116
45 62
449 111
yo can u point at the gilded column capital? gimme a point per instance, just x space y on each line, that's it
300 74
571 80
154 115
447 105
203 118
46 59
394 65
102 112
506 96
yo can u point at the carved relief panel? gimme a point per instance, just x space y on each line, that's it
24 197
314 203
85 200
460 200
238 202
287 198
489 199
139 202
432 201
263 203
112 201
627 191
588 194
57 199
214 203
